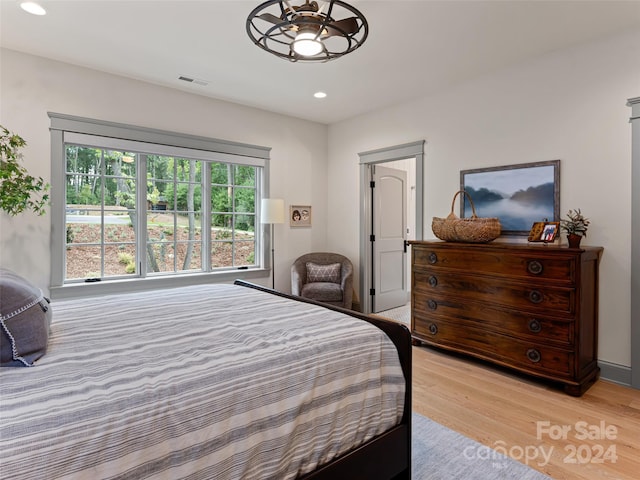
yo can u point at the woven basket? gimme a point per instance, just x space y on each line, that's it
471 230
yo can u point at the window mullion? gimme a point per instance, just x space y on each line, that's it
103 238
232 184
174 242
141 215
206 216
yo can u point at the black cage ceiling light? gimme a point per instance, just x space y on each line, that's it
308 31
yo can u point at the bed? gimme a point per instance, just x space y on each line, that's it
210 382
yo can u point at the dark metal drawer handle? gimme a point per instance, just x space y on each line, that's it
534 325
433 281
534 267
433 329
534 355
536 296
433 258
432 304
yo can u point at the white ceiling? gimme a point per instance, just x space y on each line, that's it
414 47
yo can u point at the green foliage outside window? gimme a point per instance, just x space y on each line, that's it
102 180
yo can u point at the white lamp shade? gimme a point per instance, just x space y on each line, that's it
272 210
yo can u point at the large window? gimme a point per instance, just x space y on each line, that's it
139 210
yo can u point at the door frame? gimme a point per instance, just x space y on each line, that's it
383 155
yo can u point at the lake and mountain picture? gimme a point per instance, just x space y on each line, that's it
518 195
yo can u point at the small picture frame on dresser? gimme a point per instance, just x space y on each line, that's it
546 232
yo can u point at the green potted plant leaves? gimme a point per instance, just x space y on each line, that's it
575 225
19 191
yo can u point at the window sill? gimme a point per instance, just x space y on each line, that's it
77 290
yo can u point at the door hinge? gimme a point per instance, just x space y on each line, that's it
372 184
372 238
372 291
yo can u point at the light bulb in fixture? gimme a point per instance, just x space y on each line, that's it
320 95
33 8
307 45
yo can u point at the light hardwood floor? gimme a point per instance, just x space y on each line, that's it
500 409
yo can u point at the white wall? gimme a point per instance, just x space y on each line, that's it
569 105
32 86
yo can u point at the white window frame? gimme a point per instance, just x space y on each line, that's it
71 129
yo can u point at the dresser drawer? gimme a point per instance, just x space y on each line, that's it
530 297
560 267
531 357
529 326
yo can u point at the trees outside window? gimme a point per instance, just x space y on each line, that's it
133 213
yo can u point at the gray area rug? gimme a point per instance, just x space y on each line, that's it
439 453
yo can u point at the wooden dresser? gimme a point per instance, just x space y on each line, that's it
530 307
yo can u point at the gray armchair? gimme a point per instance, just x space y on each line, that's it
325 277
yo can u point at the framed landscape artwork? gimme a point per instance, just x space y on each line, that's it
518 195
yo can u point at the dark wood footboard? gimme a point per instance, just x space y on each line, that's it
387 456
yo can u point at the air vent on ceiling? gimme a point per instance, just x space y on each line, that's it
197 81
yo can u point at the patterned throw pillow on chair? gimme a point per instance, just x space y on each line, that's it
324 273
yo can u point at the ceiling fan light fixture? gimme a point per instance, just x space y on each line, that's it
307 44
307 31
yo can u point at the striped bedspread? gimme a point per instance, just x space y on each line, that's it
205 382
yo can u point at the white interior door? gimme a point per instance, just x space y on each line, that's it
389 212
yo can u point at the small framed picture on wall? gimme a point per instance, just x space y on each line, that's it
300 215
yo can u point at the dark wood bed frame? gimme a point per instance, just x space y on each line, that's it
387 456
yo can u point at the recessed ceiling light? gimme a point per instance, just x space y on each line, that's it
33 8
320 95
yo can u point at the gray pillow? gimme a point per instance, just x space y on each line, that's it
25 320
324 273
